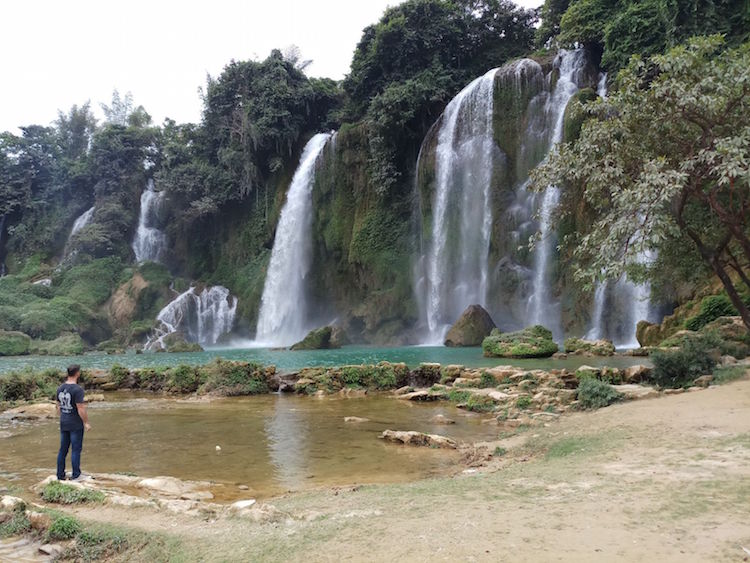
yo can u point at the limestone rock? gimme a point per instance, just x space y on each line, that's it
588 371
242 505
425 375
474 325
632 392
413 438
442 419
703 380
532 342
355 419
176 342
34 411
318 339
10 503
39 520
636 374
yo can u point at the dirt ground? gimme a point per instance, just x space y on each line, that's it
664 479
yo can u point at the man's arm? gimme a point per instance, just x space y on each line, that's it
83 412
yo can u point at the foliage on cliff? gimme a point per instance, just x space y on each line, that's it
664 166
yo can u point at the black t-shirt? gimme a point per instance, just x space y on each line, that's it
69 396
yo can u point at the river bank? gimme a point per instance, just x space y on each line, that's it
659 479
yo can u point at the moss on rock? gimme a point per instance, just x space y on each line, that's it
593 347
318 339
67 344
471 329
532 342
14 343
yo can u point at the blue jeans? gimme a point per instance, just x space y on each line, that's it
68 438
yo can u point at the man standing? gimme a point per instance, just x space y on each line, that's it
74 418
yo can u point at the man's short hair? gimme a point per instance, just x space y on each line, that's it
73 369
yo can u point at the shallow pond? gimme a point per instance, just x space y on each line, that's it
272 444
286 360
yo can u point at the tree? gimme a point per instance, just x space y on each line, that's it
665 157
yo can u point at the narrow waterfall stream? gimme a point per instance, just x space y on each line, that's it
282 320
150 242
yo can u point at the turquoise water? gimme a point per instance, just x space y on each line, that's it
287 361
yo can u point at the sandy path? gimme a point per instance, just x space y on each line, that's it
663 480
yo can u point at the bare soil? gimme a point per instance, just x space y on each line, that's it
664 479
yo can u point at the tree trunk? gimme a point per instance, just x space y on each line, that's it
734 297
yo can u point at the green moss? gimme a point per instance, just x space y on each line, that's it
595 347
319 339
234 378
14 343
67 344
533 342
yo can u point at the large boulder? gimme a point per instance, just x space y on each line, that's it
412 438
13 343
176 342
471 329
589 347
318 339
734 335
532 342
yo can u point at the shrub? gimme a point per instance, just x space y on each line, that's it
679 368
119 374
712 307
234 378
25 386
17 524
183 379
595 394
523 402
63 528
61 493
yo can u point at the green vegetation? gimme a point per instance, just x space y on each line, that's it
533 342
29 385
13 343
60 493
597 348
595 394
63 528
319 339
664 147
728 374
712 307
487 380
678 368
17 524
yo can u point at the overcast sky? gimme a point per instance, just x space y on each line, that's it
54 53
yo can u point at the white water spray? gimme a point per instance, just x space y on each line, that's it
150 242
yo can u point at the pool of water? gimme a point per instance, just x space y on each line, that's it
272 444
286 360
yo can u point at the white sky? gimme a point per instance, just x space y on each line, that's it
56 53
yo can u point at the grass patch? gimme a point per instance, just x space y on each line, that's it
573 445
728 374
17 524
60 493
595 394
523 402
63 528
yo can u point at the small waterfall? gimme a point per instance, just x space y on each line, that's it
82 220
457 257
201 317
601 87
2 230
150 242
543 309
283 311
597 329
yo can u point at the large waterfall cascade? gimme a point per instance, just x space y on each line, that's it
203 317
282 320
456 260
150 242
454 269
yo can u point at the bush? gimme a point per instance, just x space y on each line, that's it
14 343
63 528
61 493
487 380
595 394
234 378
26 386
712 307
184 379
679 368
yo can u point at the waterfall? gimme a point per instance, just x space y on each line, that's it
149 243
81 222
283 311
2 228
457 257
543 309
201 317
597 329
601 87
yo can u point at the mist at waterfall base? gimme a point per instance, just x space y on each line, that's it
283 318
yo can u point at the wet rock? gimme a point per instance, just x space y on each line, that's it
450 373
176 342
355 419
532 342
39 520
421 395
318 339
352 393
425 375
242 504
413 438
589 347
33 411
403 390
588 371
51 549
703 381
559 356
474 325
442 419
